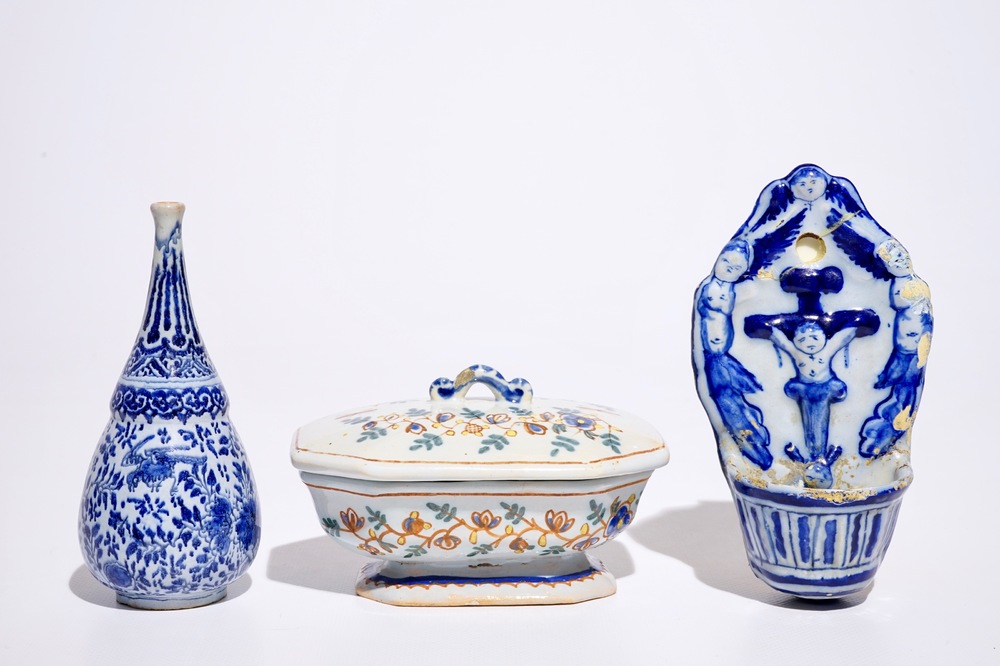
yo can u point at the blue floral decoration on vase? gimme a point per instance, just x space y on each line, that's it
169 515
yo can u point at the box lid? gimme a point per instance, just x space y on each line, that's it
450 437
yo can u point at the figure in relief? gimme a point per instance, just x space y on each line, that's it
728 381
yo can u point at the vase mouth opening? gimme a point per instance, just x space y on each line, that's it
167 216
166 206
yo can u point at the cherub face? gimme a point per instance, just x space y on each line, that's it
895 257
730 265
809 338
808 185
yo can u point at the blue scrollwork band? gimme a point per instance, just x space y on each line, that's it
180 403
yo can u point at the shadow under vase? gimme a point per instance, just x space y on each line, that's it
83 584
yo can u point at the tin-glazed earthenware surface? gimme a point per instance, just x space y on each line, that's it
810 338
478 502
170 514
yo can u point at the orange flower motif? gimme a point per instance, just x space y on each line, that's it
558 522
473 429
447 542
351 520
485 519
586 543
535 428
415 524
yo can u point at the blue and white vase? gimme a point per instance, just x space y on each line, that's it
810 340
169 515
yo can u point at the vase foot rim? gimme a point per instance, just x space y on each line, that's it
816 588
172 603
523 589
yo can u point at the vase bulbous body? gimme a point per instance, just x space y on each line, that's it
169 515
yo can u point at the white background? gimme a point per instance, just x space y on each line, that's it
381 193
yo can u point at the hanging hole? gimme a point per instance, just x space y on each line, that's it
810 248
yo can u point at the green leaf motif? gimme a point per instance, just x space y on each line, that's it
597 512
559 427
376 518
472 413
427 441
481 549
611 440
331 526
374 433
553 550
515 513
445 512
564 442
494 441
414 551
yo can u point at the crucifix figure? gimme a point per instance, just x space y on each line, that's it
811 338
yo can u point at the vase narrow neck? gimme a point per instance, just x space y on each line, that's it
169 345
